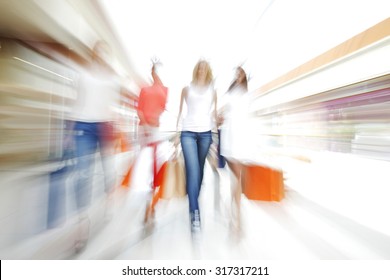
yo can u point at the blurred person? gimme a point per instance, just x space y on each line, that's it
151 104
234 133
196 138
93 126
56 212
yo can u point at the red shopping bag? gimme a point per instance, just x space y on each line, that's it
263 183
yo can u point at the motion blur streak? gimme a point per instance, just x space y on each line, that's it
319 91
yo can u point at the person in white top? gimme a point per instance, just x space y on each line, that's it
196 138
234 134
93 120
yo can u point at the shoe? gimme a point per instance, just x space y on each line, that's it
195 221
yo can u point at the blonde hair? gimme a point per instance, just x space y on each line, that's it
209 76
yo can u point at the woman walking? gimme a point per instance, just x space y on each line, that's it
200 98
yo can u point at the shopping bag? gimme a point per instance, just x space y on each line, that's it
263 183
160 176
157 189
173 181
126 179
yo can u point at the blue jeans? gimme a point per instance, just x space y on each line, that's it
90 136
57 186
195 147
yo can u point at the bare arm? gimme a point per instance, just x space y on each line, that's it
215 107
221 111
183 95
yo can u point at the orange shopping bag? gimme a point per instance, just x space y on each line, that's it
263 183
126 180
125 183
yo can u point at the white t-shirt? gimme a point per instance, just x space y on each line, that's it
98 95
199 117
235 130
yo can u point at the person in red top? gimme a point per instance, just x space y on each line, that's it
151 104
152 101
